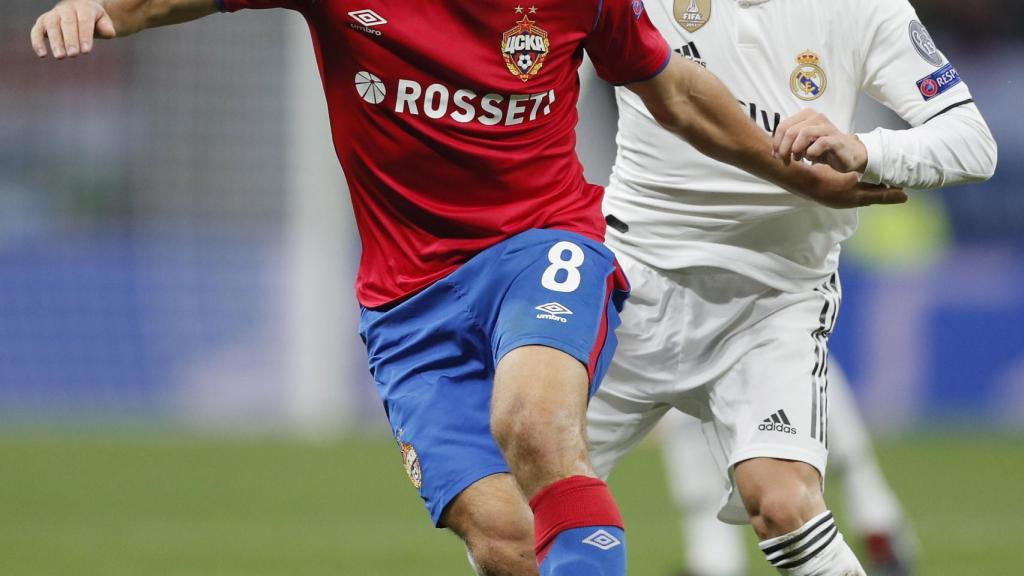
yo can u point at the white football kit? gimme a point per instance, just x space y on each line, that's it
735 290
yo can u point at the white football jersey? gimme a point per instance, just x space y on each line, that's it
683 209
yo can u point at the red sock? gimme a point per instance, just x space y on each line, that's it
572 502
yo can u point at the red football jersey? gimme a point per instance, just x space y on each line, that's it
455 120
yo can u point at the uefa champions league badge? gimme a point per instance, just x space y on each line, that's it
411 461
808 81
525 47
938 82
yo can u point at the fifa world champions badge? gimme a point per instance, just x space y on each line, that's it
525 47
808 81
692 15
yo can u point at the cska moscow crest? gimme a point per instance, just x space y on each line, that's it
524 48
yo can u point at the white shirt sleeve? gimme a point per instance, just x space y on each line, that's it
955 147
949 143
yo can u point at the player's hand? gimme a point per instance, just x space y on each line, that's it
811 135
838 190
70 28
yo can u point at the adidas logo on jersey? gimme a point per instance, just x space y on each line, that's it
777 422
690 52
553 311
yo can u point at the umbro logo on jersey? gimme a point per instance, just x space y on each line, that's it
690 52
603 540
553 311
367 20
777 422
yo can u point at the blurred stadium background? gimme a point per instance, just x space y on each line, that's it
182 389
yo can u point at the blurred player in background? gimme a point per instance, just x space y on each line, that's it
735 285
714 548
489 302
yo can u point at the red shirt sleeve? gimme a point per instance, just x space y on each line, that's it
625 46
236 5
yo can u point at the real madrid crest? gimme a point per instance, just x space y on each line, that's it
525 47
692 14
808 81
411 461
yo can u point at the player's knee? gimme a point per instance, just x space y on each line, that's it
780 498
538 450
779 512
518 434
538 415
539 392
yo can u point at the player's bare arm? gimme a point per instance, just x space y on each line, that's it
692 103
71 27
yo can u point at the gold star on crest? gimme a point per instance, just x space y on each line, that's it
533 9
519 9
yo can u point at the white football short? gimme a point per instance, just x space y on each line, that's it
750 361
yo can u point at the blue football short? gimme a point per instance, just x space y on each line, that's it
433 356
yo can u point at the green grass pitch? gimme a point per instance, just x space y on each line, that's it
145 504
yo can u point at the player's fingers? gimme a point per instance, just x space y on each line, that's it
821 147
105 27
56 38
38 38
86 29
785 149
69 29
807 136
788 124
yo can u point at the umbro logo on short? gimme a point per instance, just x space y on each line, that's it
777 422
553 311
602 539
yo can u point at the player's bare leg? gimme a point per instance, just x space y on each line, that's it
495 522
538 413
779 495
788 513
537 416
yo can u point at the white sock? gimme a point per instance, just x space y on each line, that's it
815 549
